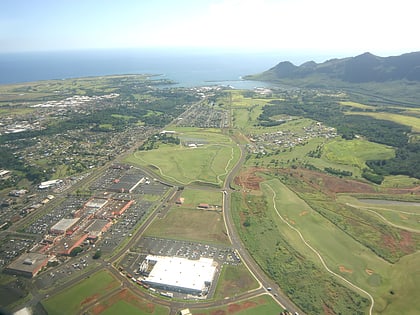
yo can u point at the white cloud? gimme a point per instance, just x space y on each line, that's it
358 25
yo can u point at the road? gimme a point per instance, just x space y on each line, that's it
237 243
267 286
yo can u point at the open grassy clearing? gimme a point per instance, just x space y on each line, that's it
193 197
353 261
191 224
125 302
405 216
399 181
357 105
410 121
335 246
215 155
307 284
234 280
262 304
355 152
74 298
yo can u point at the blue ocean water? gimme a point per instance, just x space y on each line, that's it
188 68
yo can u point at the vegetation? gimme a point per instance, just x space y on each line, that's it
208 162
234 280
98 254
72 299
263 304
191 224
284 260
329 111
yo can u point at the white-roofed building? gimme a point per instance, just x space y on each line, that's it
64 225
181 274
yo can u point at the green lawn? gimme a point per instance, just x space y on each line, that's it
343 254
263 304
234 280
134 306
410 121
208 163
355 152
74 298
193 197
191 224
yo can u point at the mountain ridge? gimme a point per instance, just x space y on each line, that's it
363 68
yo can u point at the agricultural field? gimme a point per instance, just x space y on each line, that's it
202 157
73 299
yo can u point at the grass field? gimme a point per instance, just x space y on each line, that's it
410 121
406 216
208 163
263 304
234 280
74 298
193 197
357 105
125 302
191 224
355 152
342 253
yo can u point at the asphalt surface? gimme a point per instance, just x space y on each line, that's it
267 286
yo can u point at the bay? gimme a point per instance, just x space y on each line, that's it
186 67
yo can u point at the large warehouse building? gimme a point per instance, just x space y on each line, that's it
180 274
28 264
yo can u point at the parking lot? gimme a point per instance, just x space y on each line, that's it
12 246
42 225
178 248
124 226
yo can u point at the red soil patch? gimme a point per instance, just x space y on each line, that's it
90 299
369 271
403 217
330 184
218 312
405 244
127 296
327 310
344 269
303 213
233 308
249 180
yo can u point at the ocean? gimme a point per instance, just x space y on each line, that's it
186 67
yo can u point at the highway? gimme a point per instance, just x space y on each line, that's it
267 286
237 243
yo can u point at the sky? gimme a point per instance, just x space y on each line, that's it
344 27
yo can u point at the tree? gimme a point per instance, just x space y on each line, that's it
97 254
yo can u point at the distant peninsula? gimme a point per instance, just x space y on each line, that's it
364 68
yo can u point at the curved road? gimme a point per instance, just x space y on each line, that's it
267 286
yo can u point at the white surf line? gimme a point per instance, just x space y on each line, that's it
319 256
